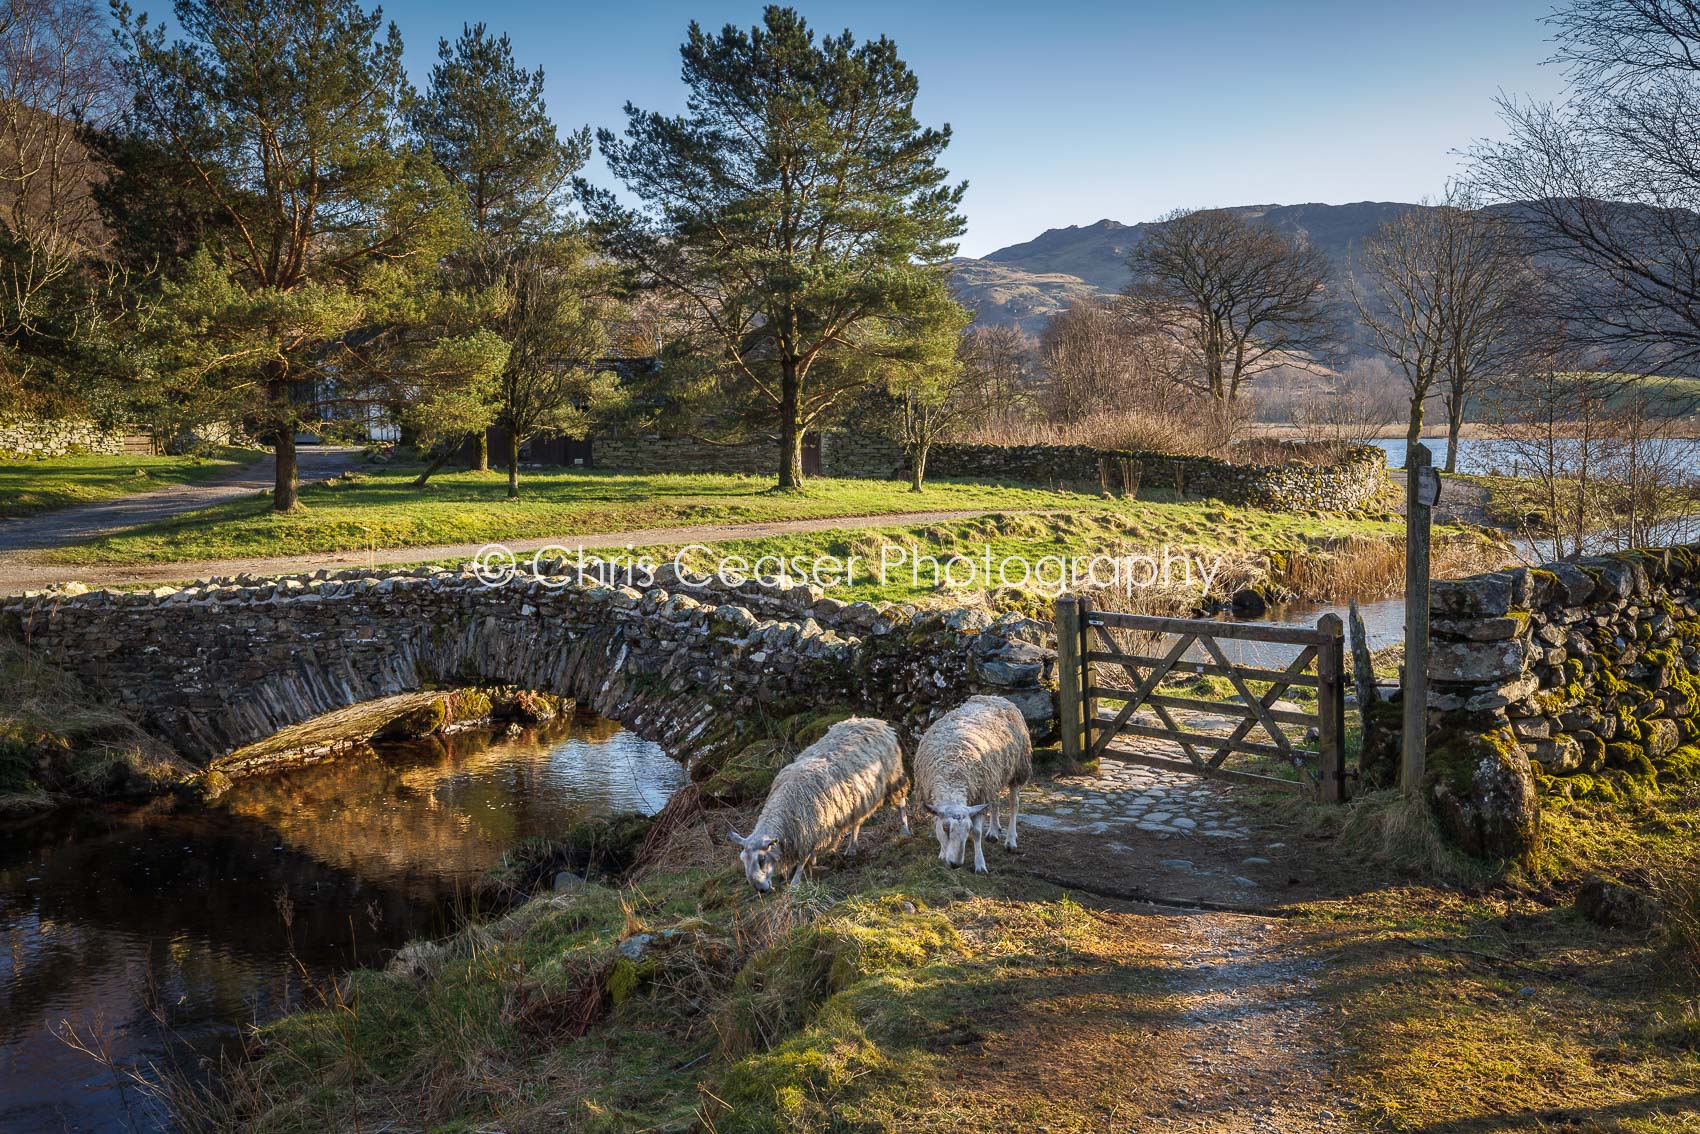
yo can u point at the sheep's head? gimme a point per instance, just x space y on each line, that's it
953 823
760 856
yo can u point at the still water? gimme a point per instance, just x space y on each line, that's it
158 931
1486 455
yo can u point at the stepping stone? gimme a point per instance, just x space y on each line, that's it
1185 823
1176 863
1254 860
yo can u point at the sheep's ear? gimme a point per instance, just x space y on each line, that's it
736 837
927 808
973 811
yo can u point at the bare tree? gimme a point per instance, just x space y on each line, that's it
1604 185
1101 355
1233 297
1356 405
1083 352
1605 470
1000 367
1442 297
57 80
1492 301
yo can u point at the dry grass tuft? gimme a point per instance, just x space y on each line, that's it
1398 830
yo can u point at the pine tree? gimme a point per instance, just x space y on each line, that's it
490 132
283 116
485 121
795 208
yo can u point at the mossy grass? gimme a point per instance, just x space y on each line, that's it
380 509
860 999
31 485
57 737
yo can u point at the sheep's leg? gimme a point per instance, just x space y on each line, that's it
996 825
899 798
1014 810
903 816
979 845
856 839
797 876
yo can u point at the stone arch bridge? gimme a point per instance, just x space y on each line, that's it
220 664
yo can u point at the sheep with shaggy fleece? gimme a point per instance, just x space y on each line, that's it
831 788
963 764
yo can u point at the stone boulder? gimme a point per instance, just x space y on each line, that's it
1482 789
1614 905
1475 663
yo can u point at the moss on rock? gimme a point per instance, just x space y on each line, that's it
1482 789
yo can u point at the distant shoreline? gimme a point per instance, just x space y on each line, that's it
1471 431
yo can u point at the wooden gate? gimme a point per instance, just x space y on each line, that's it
1085 638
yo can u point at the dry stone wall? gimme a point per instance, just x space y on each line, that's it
1580 678
32 437
654 453
220 664
1347 485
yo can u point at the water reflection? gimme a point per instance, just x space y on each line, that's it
212 917
1496 455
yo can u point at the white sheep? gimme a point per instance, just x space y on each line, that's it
831 788
962 766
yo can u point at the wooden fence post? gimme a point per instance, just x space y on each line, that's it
1071 700
1331 710
1088 703
1421 493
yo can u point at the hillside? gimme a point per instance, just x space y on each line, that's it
1024 283
1001 294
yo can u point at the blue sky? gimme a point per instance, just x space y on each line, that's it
1066 112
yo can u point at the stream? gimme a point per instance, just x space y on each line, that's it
158 931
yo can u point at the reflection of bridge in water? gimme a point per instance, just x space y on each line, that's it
211 915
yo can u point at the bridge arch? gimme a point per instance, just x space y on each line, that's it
220 664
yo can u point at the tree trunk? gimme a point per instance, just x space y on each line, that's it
437 462
513 465
481 451
285 490
1414 432
917 467
790 436
1454 425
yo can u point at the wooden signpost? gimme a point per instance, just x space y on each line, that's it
1422 493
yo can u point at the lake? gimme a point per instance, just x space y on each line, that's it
1492 455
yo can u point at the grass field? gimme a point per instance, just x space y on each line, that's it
382 509
29 486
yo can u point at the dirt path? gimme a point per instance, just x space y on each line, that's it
1249 1047
22 570
1206 1022
85 521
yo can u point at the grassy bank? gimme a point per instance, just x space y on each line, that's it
382 509
896 995
1287 555
57 738
29 486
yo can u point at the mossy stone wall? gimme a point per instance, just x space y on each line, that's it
1591 666
1346 485
222 663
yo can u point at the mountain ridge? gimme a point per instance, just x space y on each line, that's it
1023 284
